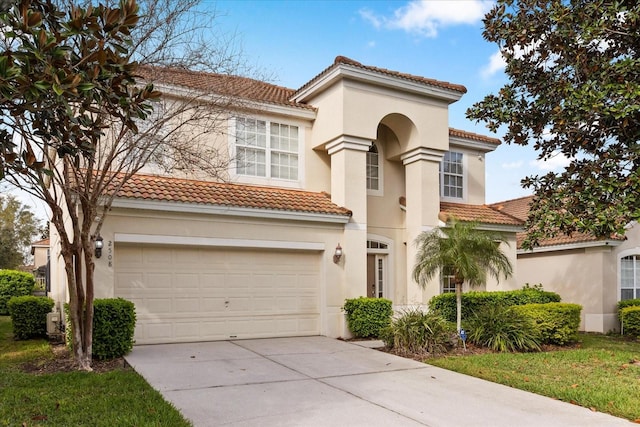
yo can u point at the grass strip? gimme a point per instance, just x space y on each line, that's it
602 374
117 398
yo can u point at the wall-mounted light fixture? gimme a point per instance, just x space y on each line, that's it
337 254
99 244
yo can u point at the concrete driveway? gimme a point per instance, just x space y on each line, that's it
319 381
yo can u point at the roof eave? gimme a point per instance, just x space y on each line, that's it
569 246
210 209
472 144
342 71
243 103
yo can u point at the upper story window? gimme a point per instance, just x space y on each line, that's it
630 277
373 168
452 176
266 149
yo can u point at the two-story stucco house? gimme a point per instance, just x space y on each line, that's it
328 187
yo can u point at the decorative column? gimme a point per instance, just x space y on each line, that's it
423 206
349 189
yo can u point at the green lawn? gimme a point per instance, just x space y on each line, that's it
602 374
116 398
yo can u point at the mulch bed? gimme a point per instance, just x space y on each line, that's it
62 361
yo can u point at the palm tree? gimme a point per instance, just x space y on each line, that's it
463 251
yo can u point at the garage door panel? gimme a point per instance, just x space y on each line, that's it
191 294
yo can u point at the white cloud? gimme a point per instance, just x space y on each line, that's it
425 17
495 65
555 162
512 165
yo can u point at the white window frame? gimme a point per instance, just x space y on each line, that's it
268 179
635 253
380 190
463 176
446 285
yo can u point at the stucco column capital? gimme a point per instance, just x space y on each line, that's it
422 153
348 142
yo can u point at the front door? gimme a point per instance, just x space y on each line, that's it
376 275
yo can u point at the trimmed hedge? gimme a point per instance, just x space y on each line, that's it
14 284
29 316
557 322
630 319
627 303
475 301
114 322
366 317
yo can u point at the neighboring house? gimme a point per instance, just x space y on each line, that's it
40 252
595 273
359 158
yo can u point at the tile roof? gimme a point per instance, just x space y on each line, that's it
473 136
519 208
43 242
256 90
480 213
236 86
342 60
158 188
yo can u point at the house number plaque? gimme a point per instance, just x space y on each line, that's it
110 253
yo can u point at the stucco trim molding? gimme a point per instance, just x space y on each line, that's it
156 239
422 153
582 245
348 142
228 210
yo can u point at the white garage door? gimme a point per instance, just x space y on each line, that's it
187 294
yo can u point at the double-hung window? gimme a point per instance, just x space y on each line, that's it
630 277
266 149
452 176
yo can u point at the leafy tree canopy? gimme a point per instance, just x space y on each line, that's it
573 90
18 228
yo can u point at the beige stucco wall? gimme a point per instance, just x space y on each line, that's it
582 276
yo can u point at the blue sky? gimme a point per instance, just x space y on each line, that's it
292 41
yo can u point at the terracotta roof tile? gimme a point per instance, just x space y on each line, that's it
473 136
236 86
43 242
480 213
519 208
148 187
342 60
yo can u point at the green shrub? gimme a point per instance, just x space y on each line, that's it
475 302
29 316
630 319
14 284
415 331
366 317
627 303
114 322
501 328
557 322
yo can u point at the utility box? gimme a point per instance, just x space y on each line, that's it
53 323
